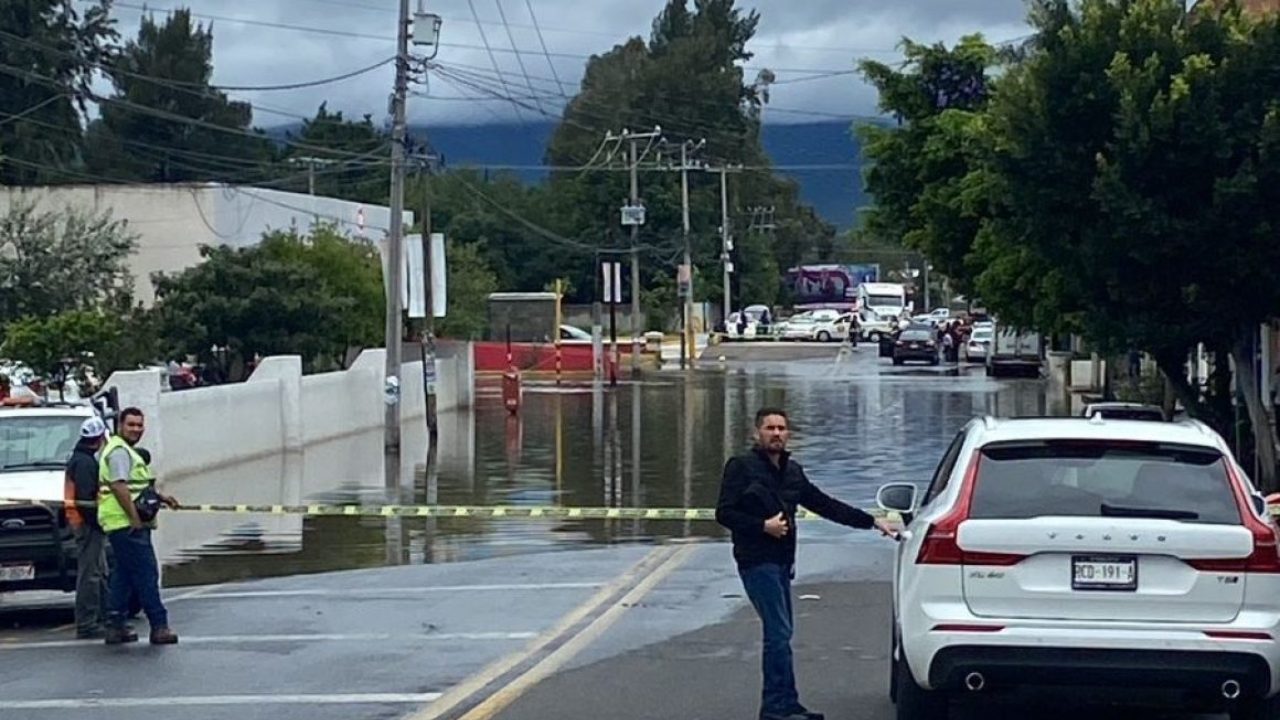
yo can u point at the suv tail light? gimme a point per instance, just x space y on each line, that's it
1265 557
940 546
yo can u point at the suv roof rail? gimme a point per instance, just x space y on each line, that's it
989 422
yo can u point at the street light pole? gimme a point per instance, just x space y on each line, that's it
395 248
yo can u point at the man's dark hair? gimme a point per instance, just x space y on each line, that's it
765 412
129 412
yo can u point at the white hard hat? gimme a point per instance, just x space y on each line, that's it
93 428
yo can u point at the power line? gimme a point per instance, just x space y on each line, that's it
541 40
43 103
493 58
309 83
519 58
165 115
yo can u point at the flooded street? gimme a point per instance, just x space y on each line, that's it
658 442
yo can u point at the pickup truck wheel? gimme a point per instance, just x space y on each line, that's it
874 338
916 703
824 336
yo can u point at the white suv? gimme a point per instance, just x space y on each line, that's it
1086 552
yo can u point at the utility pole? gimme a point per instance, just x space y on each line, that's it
635 267
726 243
395 248
686 332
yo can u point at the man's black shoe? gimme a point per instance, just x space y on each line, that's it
788 716
120 636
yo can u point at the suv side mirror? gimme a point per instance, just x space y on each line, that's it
897 497
1259 504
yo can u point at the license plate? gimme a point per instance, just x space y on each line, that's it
1104 573
17 573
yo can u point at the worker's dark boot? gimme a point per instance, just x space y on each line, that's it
120 636
163 636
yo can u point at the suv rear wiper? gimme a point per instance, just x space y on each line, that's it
1109 510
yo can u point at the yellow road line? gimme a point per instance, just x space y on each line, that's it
463 691
556 660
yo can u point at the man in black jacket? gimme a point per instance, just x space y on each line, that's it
758 499
91 542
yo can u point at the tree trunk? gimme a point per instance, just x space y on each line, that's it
1242 352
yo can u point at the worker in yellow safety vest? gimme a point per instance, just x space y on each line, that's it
127 504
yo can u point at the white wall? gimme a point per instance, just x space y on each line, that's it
278 412
172 221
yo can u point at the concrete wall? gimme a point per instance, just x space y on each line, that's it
173 221
279 411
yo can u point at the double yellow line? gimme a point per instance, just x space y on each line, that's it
494 688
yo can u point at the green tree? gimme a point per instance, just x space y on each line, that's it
919 171
346 158
53 262
469 283
169 68
314 296
688 79
1133 186
42 343
48 52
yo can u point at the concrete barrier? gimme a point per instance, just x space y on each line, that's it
279 411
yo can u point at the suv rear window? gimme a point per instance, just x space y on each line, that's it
916 335
1091 479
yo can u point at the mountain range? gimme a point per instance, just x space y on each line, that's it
834 189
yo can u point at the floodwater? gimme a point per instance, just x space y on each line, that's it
659 442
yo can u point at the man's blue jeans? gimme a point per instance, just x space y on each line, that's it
136 571
769 588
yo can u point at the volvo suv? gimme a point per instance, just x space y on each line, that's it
1086 552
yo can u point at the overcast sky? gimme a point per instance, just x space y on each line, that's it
803 41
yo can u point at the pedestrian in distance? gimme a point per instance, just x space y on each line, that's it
127 505
759 496
81 495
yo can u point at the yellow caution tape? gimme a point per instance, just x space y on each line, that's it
456 511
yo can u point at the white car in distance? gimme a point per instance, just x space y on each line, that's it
1086 553
815 325
975 350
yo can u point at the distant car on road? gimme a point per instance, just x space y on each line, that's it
975 350
815 325
1086 553
933 318
574 335
916 343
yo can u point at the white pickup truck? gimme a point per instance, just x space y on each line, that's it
37 548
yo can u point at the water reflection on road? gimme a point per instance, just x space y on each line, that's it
660 442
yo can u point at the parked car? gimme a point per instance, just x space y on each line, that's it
975 350
815 325
916 343
933 318
1087 553
570 335
749 323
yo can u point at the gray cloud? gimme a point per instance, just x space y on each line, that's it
798 38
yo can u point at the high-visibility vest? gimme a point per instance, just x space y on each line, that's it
110 515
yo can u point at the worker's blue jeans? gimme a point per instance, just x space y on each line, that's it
769 588
136 571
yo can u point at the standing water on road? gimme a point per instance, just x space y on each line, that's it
657 442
